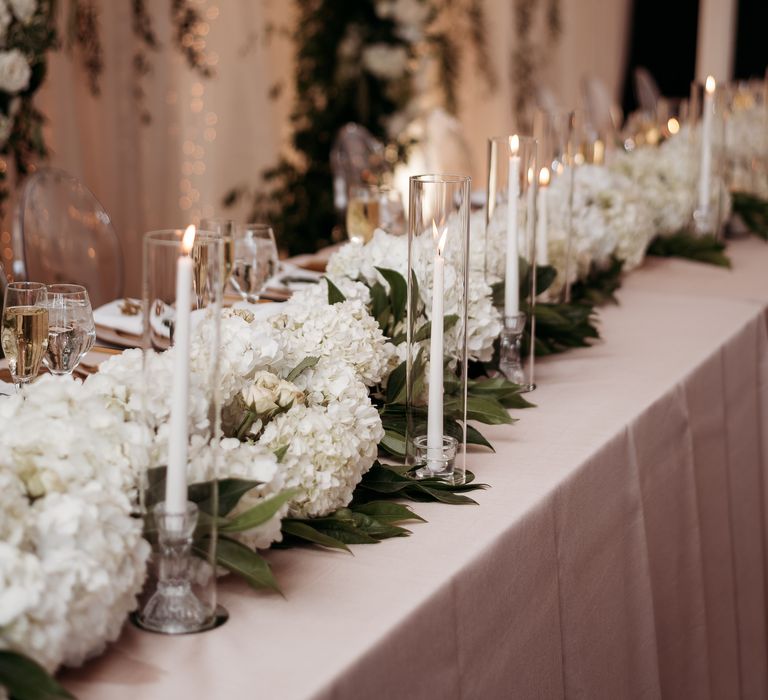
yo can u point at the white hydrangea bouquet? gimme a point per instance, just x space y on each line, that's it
72 556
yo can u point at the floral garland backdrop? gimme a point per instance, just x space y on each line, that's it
27 33
358 62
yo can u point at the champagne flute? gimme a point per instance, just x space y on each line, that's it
255 260
71 330
226 229
362 213
24 334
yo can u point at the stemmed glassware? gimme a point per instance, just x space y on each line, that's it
225 228
255 259
71 330
24 333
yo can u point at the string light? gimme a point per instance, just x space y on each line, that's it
199 129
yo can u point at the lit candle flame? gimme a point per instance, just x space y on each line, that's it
514 144
710 85
544 177
530 176
188 240
673 126
439 239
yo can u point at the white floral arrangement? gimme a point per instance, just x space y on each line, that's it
322 423
354 262
72 557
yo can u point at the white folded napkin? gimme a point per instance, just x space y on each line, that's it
110 316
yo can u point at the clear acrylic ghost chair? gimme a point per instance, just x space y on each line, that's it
646 91
63 234
357 158
604 114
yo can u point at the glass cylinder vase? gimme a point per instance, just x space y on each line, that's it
436 326
182 298
510 249
707 134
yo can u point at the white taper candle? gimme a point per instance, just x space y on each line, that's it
706 144
435 406
176 475
512 276
542 232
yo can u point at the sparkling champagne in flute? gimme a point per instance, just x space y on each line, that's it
24 333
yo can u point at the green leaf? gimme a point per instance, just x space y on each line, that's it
259 514
484 409
242 561
455 499
545 276
600 285
25 679
475 437
302 530
230 493
753 212
386 511
396 384
280 452
334 293
306 363
683 244
394 443
380 309
398 291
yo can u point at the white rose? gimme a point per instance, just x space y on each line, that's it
23 9
259 398
14 71
385 61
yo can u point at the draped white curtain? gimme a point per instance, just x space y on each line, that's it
207 136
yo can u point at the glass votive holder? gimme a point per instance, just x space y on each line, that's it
435 461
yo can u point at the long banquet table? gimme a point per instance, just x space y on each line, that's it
619 553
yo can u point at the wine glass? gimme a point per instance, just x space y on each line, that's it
255 260
226 229
24 334
71 330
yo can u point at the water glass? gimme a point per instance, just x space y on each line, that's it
225 228
255 260
71 330
24 334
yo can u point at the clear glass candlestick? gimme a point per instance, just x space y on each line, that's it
183 594
512 233
174 608
436 325
707 137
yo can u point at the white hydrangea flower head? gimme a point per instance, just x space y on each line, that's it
310 327
73 559
385 61
331 441
24 10
243 460
14 71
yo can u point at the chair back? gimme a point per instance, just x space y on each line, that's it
357 157
605 115
646 90
63 234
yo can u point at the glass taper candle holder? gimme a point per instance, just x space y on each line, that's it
510 248
565 142
707 139
181 342
436 326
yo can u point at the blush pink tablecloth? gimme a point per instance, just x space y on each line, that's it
620 552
